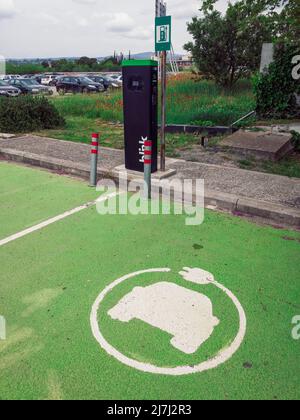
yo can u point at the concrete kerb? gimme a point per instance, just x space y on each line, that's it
269 212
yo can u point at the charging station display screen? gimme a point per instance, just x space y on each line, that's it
136 84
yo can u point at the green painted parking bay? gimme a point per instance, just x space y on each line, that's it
72 292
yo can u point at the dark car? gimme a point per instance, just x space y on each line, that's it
30 86
8 90
100 79
78 85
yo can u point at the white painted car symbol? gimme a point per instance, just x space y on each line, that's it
183 313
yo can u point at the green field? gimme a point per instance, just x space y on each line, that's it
189 102
51 278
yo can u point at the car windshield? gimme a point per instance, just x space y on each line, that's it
3 83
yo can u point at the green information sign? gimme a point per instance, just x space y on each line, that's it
163 33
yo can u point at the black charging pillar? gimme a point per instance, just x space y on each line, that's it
140 92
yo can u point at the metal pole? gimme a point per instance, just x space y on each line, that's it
94 159
147 168
163 110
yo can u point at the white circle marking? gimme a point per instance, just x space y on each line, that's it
223 356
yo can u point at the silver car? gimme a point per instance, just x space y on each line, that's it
8 90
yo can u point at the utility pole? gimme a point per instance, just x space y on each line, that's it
161 11
163 110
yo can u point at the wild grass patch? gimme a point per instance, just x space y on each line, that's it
189 102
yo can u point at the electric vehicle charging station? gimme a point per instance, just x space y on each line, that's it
140 93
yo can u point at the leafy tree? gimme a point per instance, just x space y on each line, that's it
287 22
227 47
62 65
84 64
277 88
86 61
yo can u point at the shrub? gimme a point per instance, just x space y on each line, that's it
275 90
28 113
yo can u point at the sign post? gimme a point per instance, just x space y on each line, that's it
163 42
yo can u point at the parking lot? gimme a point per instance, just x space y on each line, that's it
59 84
64 285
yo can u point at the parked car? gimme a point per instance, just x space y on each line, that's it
46 80
114 81
30 86
9 77
102 80
117 78
78 85
8 90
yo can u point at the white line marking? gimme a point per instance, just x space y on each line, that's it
56 219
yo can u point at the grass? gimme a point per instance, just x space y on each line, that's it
79 129
289 166
189 102
204 103
50 280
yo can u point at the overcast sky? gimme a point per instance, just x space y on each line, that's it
55 28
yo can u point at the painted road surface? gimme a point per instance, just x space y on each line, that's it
222 295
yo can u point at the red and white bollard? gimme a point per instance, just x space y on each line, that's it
94 159
147 168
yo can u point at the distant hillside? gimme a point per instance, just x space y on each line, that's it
143 55
148 55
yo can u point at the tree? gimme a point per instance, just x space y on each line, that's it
29 68
63 65
283 16
228 47
276 89
86 61
287 21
